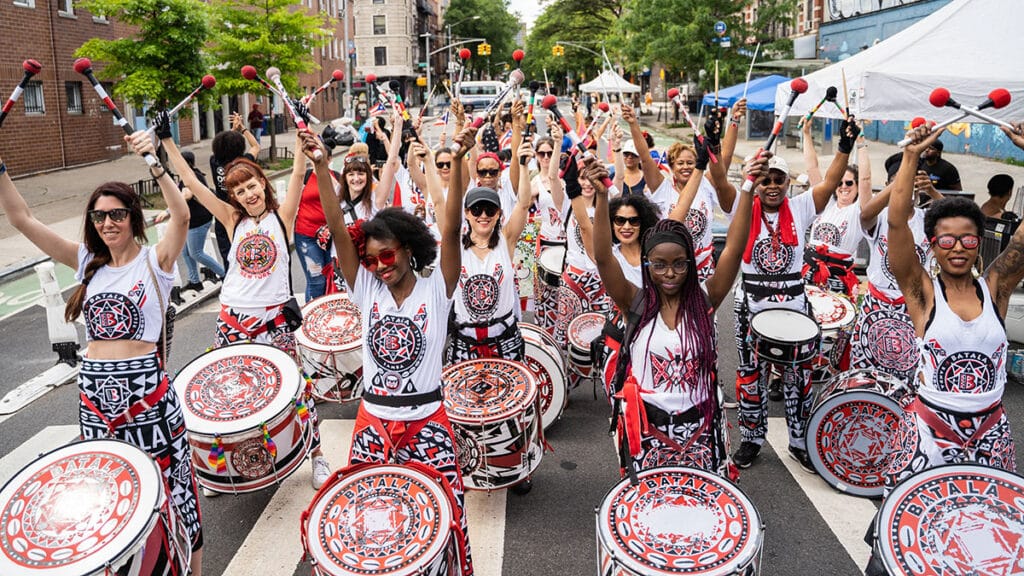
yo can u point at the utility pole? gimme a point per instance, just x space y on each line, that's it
349 108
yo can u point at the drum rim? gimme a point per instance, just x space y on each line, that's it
750 549
291 387
302 340
787 311
532 389
579 320
443 519
559 393
902 488
140 525
851 310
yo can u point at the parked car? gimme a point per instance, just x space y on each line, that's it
478 94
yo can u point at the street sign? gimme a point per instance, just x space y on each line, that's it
421 64
726 41
720 28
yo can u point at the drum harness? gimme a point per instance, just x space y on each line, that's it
482 345
825 264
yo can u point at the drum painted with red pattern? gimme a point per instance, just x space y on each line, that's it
678 520
330 343
583 329
956 519
544 360
242 400
493 408
853 419
90 508
835 315
381 520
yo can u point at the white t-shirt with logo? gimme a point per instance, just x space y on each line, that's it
486 289
838 228
785 260
878 272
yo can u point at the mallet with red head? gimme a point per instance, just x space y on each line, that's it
336 76
798 87
940 97
207 83
464 55
998 98
84 67
31 68
274 75
673 95
550 103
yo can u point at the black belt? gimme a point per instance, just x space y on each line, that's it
661 418
453 324
812 257
760 292
403 400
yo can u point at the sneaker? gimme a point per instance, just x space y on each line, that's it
800 455
730 404
746 454
775 390
197 286
210 493
321 471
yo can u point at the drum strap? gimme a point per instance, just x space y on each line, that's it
943 430
760 292
881 296
147 402
232 321
403 400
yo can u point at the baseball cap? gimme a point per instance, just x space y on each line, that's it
482 194
778 163
629 148
938 145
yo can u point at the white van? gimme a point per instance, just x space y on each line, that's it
478 94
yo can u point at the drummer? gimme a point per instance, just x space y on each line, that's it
772 280
123 279
256 298
404 316
546 208
667 378
958 413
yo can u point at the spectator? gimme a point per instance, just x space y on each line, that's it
943 174
228 146
1000 188
256 122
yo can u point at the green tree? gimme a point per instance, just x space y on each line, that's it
587 23
163 61
265 33
496 24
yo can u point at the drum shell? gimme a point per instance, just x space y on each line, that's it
549 265
583 330
836 316
775 350
546 365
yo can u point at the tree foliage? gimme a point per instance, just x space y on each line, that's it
570 21
163 61
496 24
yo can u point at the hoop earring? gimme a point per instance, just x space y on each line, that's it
933 270
980 263
412 262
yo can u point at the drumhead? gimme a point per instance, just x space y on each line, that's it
831 310
330 323
551 259
783 325
848 439
77 508
680 520
236 388
547 369
584 328
487 390
386 520
955 519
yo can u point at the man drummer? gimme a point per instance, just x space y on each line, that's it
772 280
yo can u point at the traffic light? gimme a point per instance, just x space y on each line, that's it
483 49
557 50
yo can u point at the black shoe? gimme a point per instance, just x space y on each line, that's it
176 296
197 286
775 390
746 454
800 455
209 275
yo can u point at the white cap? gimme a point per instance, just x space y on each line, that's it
778 163
629 148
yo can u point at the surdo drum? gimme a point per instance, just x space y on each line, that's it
493 407
549 265
956 519
243 418
785 337
382 520
835 315
330 343
678 520
545 361
583 330
853 419
96 507
548 279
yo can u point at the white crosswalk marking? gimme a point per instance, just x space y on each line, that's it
847 516
48 439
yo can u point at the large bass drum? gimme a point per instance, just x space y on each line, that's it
330 343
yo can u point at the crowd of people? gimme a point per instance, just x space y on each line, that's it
432 240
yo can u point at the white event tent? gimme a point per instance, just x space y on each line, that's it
608 82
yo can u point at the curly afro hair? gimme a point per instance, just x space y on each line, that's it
409 231
952 207
646 209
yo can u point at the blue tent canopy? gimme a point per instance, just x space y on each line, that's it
760 94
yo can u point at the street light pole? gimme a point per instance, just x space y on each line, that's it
349 108
426 103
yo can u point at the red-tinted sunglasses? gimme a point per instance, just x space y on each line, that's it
384 257
948 241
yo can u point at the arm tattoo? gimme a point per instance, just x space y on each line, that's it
1009 266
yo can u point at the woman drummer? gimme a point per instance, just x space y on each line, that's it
957 415
401 417
546 209
485 318
257 287
124 290
666 380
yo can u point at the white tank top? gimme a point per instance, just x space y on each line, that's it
486 290
666 379
632 273
878 272
259 263
550 217
783 261
963 363
575 252
121 302
838 228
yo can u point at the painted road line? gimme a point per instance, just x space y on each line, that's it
847 516
277 531
46 440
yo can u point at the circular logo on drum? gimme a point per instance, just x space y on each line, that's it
965 372
961 520
233 388
697 222
680 523
827 233
486 389
256 254
69 510
381 524
113 316
251 459
768 261
333 322
480 295
584 329
396 344
852 439
887 338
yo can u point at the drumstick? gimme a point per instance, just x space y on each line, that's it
84 67
846 94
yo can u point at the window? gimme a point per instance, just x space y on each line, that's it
380 25
73 92
380 56
32 3
378 1
65 8
34 98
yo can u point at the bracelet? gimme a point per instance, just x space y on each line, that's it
163 172
616 150
3 168
734 121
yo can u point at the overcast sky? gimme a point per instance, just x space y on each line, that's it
528 9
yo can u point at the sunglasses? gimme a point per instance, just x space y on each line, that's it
777 180
543 154
361 159
488 173
948 241
117 215
478 209
848 183
443 165
383 258
623 220
658 267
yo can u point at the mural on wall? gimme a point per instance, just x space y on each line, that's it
840 9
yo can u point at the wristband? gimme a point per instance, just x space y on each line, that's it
734 121
616 150
163 172
3 168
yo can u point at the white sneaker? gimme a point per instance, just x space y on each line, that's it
210 493
321 471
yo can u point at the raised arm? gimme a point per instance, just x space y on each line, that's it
348 255
238 124
387 173
864 185
719 285
732 134
686 197
724 189
848 132
417 167
574 191
521 211
615 142
652 175
619 289
169 247
518 125
557 191
451 247
810 155
1007 271
435 187
42 236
